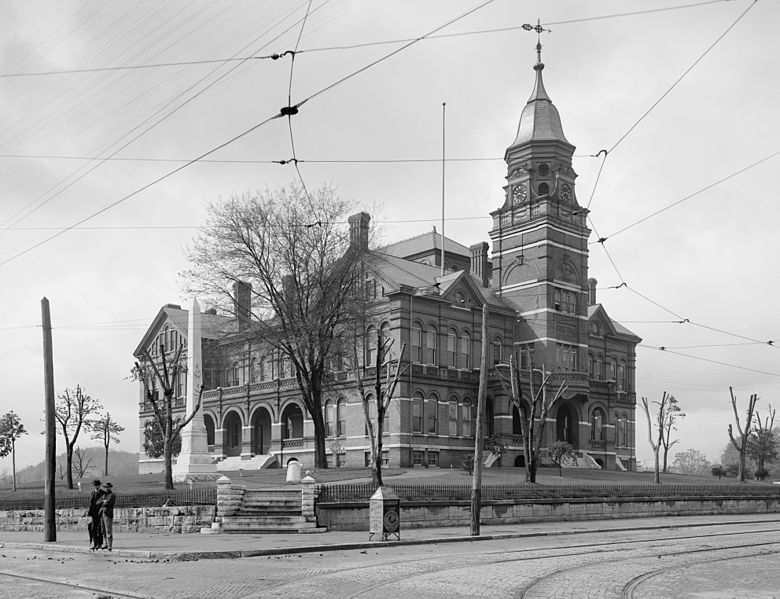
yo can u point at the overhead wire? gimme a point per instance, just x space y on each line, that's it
42 200
239 136
718 362
275 56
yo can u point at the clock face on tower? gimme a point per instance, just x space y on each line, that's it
518 193
566 192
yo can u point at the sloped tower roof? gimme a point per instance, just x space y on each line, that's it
539 120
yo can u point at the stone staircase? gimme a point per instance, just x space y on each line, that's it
235 463
268 511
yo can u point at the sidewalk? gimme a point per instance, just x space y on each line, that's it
228 546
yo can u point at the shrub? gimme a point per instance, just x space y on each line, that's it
761 473
719 471
468 463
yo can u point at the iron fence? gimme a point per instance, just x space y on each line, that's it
361 492
204 496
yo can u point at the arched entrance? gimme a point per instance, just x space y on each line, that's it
567 425
489 417
232 440
292 422
520 461
261 432
208 421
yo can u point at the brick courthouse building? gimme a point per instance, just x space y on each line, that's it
541 301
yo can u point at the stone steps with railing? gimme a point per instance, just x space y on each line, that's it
279 510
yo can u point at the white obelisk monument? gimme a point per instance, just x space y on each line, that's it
194 462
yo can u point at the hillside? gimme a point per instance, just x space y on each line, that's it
120 463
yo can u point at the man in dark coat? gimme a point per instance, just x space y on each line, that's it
94 526
107 515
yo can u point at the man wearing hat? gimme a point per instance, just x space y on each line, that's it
107 515
94 526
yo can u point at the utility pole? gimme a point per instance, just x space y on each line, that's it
50 524
476 481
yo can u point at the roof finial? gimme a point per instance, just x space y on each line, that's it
539 64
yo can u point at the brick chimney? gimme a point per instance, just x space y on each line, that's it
592 292
242 303
358 230
479 262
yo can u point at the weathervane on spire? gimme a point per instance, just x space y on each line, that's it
539 29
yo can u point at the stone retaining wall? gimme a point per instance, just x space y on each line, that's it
176 519
355 516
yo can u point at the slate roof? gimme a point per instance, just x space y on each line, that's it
425 242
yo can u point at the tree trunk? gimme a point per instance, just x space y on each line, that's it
476 479
320 459
168 459
380 416
666 453
69 463
657 466
105 469
741 473
530 474
13 462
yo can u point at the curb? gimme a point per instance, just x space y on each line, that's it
241 553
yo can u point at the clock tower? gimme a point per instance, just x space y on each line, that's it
540 239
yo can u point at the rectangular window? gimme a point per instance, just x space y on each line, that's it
452 418
465 419
526 356
431 408
432 347
566 357
452 353
417 458
417 342
621 377
417 410
433 459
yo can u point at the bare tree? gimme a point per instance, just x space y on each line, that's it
288 245
81 462
164 374
73 413
744 434
386 376
106 430
762 445
672 415
534 407
656 438
11 428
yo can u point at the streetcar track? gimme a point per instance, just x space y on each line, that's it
629 588
71 585
523 591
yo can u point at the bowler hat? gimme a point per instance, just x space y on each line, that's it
96 482
108 485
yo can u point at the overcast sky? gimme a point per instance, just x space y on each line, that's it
710 260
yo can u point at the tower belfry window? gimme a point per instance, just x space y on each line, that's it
544 189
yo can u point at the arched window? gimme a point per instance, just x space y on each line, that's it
598 432
517 425
166 338
621 376
384 336
417 413
417 343
590 366
431 415
612 369
465 351
371 413
452 348
370 345
497 350
236 374
253 370
599 368
341 418
263 366
626 432
452 417
431 343
489 417
330 418
465 418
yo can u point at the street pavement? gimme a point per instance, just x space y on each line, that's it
146 545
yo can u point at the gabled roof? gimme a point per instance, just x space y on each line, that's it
427 242
396 272
213 326
597 312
